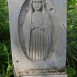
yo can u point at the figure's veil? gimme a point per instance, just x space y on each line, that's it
31 9
46 6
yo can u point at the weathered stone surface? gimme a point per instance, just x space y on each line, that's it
49 52
48 76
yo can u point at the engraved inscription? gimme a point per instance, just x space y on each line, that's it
33 72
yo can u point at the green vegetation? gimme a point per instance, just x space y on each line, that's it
5 53
5 50
72 38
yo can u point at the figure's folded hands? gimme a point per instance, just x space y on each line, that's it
42 28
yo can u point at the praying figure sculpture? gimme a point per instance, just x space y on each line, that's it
38 31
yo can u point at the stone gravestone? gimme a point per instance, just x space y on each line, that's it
38 37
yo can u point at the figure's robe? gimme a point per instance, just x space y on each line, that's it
38 31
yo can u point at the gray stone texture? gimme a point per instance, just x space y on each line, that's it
56 58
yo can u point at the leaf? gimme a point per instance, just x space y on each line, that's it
5 48
70 71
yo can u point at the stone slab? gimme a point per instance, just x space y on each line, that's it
17 12
48 76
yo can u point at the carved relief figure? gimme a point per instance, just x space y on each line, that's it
38 31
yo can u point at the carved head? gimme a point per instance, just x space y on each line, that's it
37 4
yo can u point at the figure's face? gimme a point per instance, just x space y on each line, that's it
37 4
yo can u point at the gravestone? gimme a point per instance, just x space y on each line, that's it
38 37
